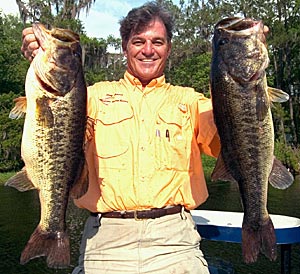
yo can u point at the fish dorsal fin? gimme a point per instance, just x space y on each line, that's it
277 95
20 181
280 177
220 172
19 109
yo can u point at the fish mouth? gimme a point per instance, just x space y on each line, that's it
58 60
240 26
61 35
243 35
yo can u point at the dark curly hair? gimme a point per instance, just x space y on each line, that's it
138 18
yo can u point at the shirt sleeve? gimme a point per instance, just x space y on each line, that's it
205 128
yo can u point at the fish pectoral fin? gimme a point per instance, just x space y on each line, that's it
20 181
277 95
280 177
220 172
81 184
19 110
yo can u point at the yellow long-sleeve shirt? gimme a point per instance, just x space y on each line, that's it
146 146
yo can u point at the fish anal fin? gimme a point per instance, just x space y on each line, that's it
54 245
220 172
19 110
81 184
280 177
20 181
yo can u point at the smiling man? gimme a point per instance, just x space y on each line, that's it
147 51
145 170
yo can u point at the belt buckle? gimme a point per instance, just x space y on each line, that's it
136 217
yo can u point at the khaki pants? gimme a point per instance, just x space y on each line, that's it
166 245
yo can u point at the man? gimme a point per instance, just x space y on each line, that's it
145 170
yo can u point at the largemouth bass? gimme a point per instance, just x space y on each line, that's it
53 139
241 105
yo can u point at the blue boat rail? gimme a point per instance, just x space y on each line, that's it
226 226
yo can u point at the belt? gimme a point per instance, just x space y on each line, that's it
142 214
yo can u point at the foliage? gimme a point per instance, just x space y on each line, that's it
208 164
13 66
5 176
288 155
193 72
59 13
10 135
13 69
98 63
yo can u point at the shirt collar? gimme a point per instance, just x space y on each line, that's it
156 82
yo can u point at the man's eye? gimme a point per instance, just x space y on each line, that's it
137 43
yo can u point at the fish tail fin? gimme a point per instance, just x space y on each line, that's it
55 246
262 240
268 240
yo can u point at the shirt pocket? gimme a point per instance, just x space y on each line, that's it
173 144
112 134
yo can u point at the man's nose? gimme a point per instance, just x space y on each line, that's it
148 48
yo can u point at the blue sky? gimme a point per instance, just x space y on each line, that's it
101 21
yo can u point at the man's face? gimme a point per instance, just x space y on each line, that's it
147 52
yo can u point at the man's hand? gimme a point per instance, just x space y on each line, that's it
30 44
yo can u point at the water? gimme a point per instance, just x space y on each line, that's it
19 215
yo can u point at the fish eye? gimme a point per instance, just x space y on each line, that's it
77 54
223 41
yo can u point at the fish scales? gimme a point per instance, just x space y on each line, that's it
53 139
241 105
238 118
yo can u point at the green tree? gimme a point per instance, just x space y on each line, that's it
13 68
195 21
59 13
194 72
10 135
